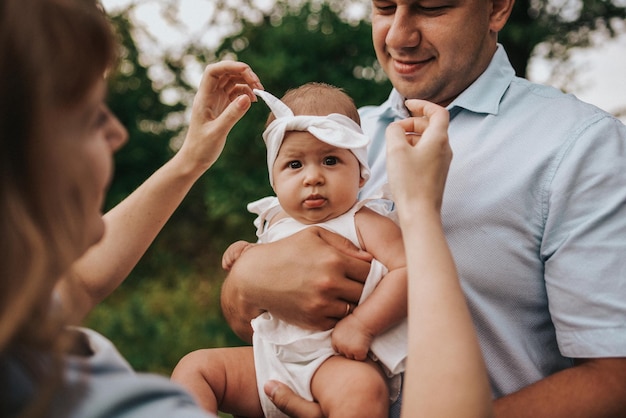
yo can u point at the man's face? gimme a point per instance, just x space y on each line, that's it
433 49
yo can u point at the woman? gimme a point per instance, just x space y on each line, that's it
58 138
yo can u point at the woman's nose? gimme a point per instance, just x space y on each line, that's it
116 133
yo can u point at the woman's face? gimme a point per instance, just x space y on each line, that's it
88 134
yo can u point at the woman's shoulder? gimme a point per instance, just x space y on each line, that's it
104 384
97 381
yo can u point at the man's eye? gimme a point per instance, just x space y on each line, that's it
433 9
294 164
330 160
387 9
384 8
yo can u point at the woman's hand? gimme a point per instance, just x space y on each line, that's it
223 97
419 155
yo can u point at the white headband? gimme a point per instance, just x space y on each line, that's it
335 129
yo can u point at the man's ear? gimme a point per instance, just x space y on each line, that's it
500 12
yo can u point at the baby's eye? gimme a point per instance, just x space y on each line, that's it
294 164
330 160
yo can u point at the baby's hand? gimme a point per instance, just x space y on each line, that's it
351 338
233 252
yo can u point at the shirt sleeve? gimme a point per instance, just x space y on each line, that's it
104 385
584 244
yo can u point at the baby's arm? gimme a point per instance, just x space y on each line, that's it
233 252
387 305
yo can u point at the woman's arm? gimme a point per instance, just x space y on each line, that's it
445 375
224 96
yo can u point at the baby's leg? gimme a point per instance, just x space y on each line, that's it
350 388
221 379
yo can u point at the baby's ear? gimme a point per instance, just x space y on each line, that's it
361 181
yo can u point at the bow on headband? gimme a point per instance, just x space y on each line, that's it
335 129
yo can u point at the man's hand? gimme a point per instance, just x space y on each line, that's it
307 279
290 403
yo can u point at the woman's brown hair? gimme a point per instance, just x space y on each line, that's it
52 53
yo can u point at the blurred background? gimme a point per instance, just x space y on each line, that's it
170 304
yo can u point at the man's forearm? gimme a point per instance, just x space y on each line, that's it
592 389
238 321
306 278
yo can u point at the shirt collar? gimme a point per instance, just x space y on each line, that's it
394 107
482 96
485 94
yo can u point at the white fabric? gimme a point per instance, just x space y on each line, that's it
335 129
291 354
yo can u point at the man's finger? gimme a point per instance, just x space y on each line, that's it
357 264
290 403
343 244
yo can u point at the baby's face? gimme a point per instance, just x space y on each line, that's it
315 181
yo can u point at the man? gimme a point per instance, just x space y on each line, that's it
534 212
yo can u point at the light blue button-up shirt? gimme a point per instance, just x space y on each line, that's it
535 214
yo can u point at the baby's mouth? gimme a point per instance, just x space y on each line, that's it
314 201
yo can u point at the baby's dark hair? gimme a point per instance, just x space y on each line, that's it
319 99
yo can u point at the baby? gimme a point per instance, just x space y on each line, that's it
317 162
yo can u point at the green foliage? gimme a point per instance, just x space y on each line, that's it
138 106
559 26
160 321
